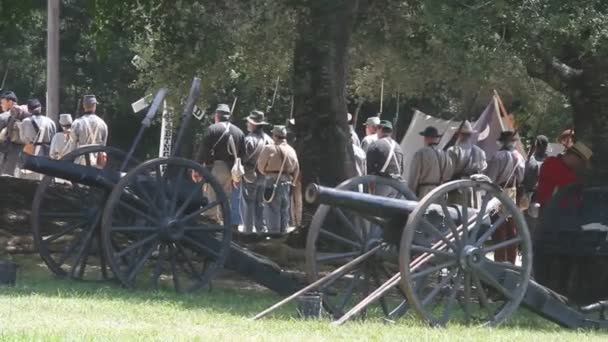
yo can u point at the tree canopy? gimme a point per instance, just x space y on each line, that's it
546 58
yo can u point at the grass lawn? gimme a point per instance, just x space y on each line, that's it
42 307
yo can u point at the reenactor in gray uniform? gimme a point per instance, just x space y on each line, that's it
62 142
279 163
384 156
252 203
216 153
38 130
468 158
10 142
89 129
371 131
506 168
431 166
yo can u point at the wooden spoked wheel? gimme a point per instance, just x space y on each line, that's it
339 235
464 280
66 218
160 229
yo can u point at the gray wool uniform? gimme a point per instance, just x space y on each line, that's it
61 145
252 201
40 134
506 168
467 159
429 168
89 129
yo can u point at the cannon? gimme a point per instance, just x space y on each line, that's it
391 254
144 224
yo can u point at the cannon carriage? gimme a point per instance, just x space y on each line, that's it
145 224
372 245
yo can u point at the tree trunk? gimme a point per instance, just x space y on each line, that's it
320 64
589 99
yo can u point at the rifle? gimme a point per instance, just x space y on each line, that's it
396 119
4 79
381 95
233 105
274 95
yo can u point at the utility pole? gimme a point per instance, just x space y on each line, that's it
52 60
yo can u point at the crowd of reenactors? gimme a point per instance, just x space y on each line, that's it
260 173
27 129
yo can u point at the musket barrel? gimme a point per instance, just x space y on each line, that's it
75 173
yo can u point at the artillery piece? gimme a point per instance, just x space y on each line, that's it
434 257
135 219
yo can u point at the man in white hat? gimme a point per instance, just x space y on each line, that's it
62 142
468 159
217 152
279 163
371 131
89 129
252 203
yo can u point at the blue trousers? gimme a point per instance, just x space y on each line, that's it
277 211
252 205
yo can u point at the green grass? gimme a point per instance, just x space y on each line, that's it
42 307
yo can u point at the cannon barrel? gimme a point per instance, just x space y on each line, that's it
372 205
75 173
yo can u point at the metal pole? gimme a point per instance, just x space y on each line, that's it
52 58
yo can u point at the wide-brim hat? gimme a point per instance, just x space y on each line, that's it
581 150
372 121
256 117
507 136
430 132
467 128
65 119
223 108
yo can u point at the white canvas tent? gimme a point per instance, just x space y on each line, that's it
412 141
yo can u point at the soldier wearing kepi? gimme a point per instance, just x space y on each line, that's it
371 131
62 142
506 169
38 130
384 156
279 163
431 166
252 203
222 144
89 129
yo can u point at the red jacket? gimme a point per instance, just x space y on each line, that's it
553 175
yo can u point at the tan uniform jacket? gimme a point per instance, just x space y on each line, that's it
430 167
271 158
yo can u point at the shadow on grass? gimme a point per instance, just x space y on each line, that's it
35 279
